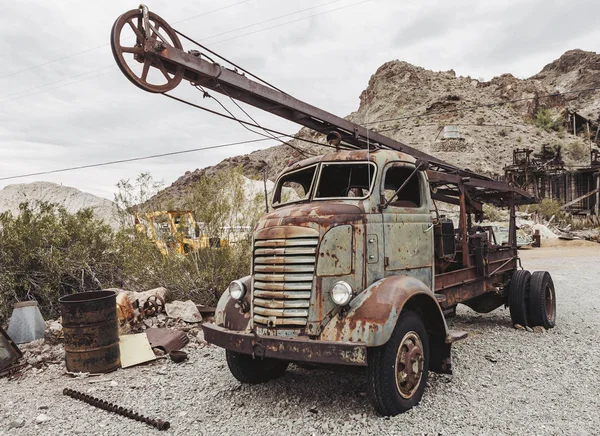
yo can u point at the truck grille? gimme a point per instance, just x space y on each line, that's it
283 275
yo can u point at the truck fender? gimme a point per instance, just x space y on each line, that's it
229 313
372 315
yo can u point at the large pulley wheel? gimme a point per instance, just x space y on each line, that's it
136 39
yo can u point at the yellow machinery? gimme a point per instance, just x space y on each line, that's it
173 231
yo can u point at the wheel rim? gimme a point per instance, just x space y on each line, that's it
409 364
550 303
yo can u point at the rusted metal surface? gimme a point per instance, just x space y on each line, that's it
167 340
232 314
300 350
91 331
9 352
110 407
131 24
154 305
382 248
372 315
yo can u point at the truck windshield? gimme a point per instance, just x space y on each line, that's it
342 180
294 186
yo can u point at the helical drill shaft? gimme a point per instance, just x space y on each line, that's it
110 407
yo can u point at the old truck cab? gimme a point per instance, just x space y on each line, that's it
343 265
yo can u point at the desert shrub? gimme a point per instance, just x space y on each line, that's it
577 150
547 208
545 119
222 210
492 213
46 252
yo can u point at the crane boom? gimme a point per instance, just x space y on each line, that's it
158 48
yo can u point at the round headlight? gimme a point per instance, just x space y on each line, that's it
341 293
237 290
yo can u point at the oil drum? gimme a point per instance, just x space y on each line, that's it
91 331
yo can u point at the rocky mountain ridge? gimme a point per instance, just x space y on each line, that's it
413 105
72 199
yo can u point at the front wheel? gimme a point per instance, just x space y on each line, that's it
397 371
251 370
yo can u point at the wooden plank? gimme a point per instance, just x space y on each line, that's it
570 203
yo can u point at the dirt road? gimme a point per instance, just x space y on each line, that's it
505 381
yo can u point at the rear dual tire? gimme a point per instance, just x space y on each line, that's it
532 299
542 300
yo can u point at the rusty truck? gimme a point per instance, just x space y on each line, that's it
359 268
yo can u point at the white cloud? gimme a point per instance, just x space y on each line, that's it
325 60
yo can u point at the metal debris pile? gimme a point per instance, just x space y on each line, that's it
145 320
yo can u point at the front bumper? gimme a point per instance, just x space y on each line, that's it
293 349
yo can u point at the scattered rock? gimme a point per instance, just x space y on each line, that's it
184 310
539 329
16 423
42 418
519 327
114 384
529 329
491 358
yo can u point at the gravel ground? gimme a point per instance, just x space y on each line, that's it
505 381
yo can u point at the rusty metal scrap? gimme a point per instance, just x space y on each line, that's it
167 340
110 407
91 329
9 352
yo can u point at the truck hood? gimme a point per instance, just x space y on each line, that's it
322 213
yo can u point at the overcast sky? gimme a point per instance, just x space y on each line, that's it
94 114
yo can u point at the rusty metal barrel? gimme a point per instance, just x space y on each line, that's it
91 331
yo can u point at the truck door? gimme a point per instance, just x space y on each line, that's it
407 231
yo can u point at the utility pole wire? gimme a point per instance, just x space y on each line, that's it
134 159
105 45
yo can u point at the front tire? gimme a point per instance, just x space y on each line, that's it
397 371
251 370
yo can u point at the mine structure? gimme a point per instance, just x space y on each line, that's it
544 175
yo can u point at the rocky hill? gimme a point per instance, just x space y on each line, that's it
415 104
71 198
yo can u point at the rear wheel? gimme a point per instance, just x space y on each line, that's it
518 297
542 300
251 370
397 371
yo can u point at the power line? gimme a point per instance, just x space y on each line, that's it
60 86
133 159
228 61
269 20
5 97
233 118
104 45
191 40
267 135
290 22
